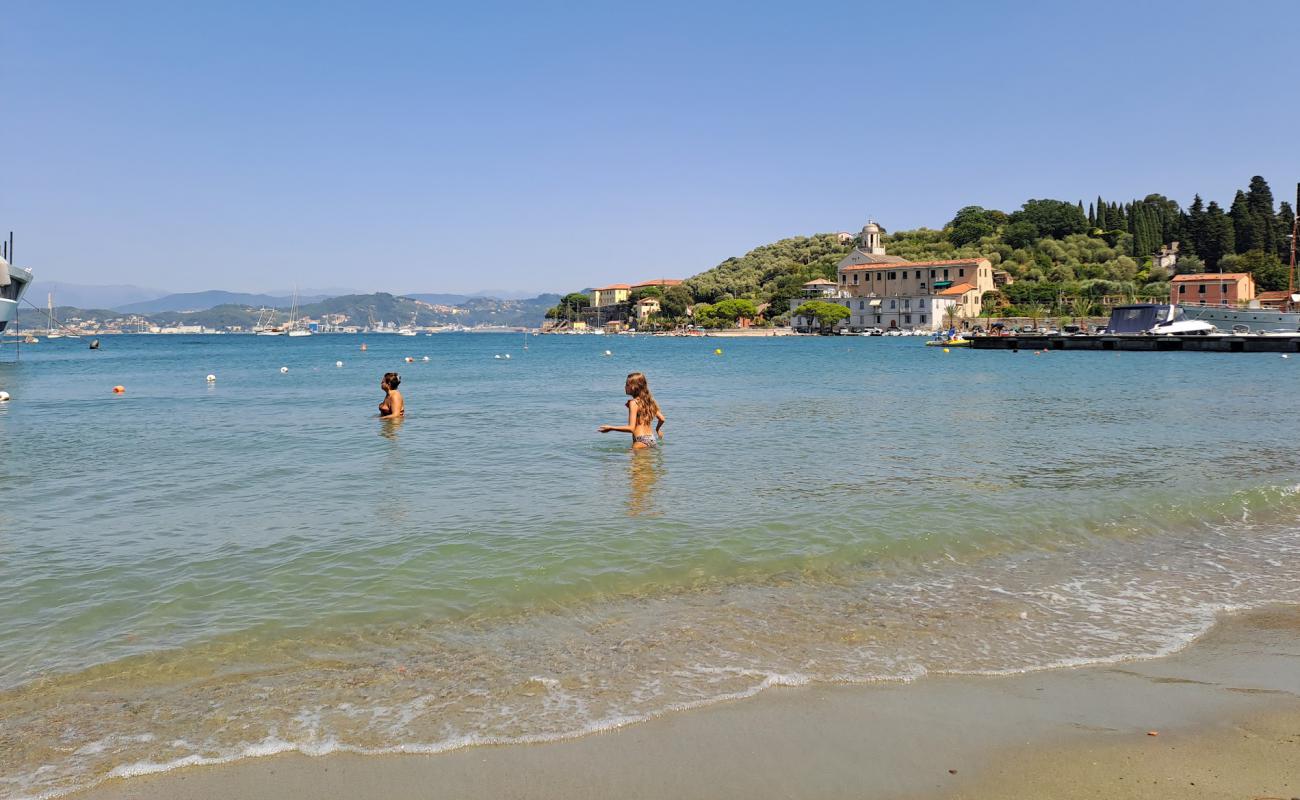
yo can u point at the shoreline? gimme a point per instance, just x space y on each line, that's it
1226 708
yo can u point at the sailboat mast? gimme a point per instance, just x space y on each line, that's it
1295 228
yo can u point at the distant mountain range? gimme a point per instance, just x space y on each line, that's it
141 300
362 310
86 296
202 301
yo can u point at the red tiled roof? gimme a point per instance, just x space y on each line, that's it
959 262
819 282
658 282
612 287
1211 276
961 288
1280 295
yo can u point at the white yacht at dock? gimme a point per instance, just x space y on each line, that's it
13 283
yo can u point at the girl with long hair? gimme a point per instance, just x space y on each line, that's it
642 413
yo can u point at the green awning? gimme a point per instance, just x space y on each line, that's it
942 284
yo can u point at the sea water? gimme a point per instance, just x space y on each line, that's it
194 571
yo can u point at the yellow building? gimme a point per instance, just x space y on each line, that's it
611 295
915 294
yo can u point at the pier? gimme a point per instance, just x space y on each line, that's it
1213 343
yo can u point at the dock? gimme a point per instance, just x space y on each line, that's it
1213 343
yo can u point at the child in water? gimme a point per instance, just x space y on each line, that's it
642 410
393 405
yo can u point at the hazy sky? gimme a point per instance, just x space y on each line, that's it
551 146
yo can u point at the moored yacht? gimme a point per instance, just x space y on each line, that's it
13 283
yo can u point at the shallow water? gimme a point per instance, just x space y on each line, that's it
195 572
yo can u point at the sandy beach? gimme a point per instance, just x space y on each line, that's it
1225 711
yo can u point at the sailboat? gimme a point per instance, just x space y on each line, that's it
294 329
265 324
50 332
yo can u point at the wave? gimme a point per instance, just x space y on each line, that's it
565 672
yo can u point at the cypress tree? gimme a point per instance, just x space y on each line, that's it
1259 199
1092 217
1220 239
1194 228
1244 225
1285 219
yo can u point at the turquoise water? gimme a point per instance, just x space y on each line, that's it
198 572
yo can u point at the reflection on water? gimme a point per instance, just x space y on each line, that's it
389 427
643 474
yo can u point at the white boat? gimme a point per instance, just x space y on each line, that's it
13 282
1246 320
409 329
50 331
1157 319
266 324
295 327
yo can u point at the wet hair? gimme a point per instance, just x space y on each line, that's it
392 379
646 407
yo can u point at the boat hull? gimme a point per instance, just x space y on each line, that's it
11 293
1256 320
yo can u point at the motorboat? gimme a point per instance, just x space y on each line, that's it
1157 319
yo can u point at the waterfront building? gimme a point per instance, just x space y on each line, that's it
612 295
645 307
1212 289
1277 301
885 291
818 289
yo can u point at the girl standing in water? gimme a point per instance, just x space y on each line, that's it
642 412
393 405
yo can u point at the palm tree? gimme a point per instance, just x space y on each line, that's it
953 313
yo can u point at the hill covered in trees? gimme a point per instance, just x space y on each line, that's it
1060 253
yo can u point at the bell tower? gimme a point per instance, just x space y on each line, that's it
871 243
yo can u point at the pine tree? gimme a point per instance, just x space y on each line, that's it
1244 226
1220 239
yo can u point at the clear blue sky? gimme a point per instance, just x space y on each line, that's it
404 146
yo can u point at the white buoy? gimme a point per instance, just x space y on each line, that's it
212 378
1284 355
338 363
283 370
608 353
4 397
497 356
507 355
426 358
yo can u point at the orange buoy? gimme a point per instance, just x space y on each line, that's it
119 389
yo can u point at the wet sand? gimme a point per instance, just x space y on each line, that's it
1226 711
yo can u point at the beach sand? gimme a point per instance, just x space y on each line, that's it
1226 710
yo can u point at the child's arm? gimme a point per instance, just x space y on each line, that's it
631 420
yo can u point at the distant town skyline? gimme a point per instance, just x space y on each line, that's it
506 146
